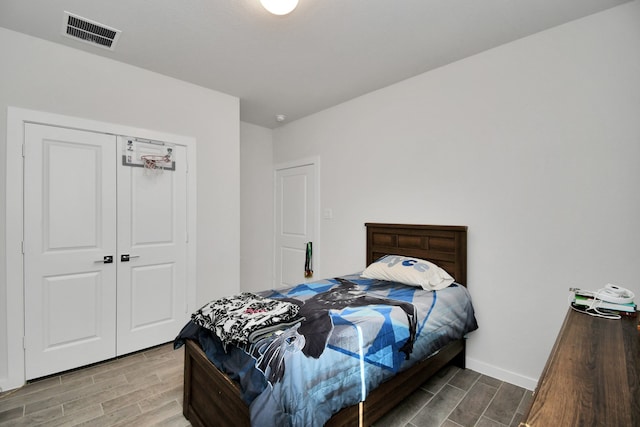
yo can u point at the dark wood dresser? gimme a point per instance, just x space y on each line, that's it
592 377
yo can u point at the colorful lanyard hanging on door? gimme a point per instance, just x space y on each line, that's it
308 271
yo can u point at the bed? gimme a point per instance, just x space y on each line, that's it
211 398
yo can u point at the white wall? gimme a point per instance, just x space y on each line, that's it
534 145
256 207
40 75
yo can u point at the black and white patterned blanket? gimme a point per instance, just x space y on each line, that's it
235 318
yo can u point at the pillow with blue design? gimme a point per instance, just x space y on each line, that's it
409 271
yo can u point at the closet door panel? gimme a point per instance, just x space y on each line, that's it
152 224
69 208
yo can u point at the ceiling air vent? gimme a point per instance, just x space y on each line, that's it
89 31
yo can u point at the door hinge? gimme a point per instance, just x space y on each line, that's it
22 247
23 149
24 343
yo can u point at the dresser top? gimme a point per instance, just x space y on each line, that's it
592 377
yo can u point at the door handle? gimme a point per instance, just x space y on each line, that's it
127 257
107 259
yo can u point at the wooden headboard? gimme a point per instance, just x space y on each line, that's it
444 245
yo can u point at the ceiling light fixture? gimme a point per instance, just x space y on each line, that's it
279 7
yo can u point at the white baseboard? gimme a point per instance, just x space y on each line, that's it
501 374
7 384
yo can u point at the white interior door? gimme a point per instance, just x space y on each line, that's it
152 250
70 226
295 221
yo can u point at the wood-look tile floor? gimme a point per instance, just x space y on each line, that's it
142 389
145 389
457 397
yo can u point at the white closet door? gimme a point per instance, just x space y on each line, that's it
152 232
70 226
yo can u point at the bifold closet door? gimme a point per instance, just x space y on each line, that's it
69 235
152 250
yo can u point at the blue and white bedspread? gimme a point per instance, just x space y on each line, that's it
356 333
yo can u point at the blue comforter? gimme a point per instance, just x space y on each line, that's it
355 334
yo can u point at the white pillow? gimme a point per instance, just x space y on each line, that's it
410 271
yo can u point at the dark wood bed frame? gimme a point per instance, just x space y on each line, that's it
212 399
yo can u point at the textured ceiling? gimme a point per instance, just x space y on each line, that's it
322 54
